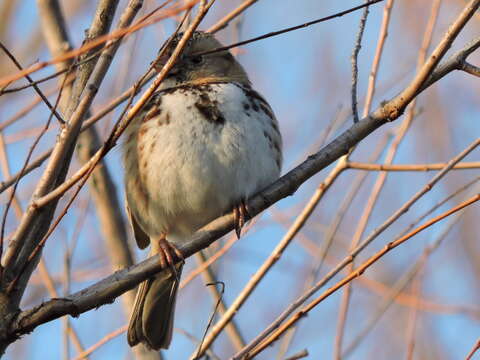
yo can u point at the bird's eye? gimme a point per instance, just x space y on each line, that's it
197 60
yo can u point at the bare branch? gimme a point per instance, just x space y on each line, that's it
354 60
283 31
472 352
117 34
400 284
382 37
84 354
249 354
223 23
410 167
33 226
30 80
87 124
470 69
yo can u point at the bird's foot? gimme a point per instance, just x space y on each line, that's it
168 254
240 216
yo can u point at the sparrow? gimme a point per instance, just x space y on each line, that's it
202 145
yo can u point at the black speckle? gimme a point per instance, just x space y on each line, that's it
206 87
228 56
155 101
153 112
209 109
267 136
266 109
252 94
278 161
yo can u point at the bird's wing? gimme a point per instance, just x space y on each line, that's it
143 240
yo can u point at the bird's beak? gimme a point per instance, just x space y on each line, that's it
160 63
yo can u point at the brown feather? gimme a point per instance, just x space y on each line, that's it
151 321
143 240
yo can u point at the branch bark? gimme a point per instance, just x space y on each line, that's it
101 186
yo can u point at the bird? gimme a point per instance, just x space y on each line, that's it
203 144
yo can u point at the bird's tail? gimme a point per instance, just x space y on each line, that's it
151 321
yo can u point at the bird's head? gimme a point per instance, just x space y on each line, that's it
195 67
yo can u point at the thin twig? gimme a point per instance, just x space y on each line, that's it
401 283
470 69
382 37
30 80
350 258
410 167
300 355
379 183
105 339
283 31
30 106
212 316
120 33
133 90
354 60
413 318
49 77
472 352
210 278
439 204
249 354
223 22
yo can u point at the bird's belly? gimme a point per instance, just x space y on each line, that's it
197 171
188 182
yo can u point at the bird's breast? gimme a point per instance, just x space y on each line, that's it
199 152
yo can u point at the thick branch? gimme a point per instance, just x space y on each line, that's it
35 222
101 186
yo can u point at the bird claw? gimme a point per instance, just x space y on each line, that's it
168 252
240 216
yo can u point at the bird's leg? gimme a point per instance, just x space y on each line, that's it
167 252
240 215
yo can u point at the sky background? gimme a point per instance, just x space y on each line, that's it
306 77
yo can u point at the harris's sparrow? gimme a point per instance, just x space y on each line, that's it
203 144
